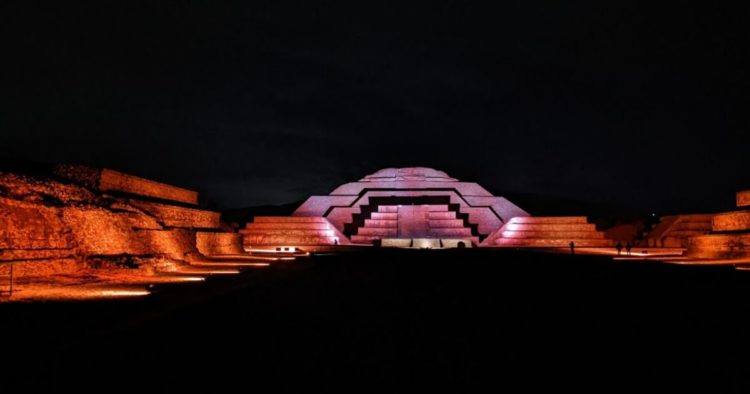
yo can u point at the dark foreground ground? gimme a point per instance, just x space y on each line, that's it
401 320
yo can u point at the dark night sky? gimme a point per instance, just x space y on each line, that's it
269 102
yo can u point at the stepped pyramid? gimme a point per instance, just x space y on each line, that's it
416 203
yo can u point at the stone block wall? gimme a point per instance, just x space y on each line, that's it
729 237
732 221
106 180
27 226
719 246
49 227
743 198
177 216
211 244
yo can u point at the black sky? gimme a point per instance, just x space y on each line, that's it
269 102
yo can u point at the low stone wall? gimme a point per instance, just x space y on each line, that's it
218 243
26 271
176 216
32 231
107 180
732 221
116 181
52 228
743 198
271 231
99 231
176 244
25 225
719 246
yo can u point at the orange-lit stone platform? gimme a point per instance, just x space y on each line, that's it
675 231
729 238
79 233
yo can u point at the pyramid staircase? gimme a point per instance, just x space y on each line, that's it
547 232
301 231
441 223
382 224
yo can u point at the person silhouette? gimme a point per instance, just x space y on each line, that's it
628 247
572 247
619 248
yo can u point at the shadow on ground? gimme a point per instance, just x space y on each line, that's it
401 319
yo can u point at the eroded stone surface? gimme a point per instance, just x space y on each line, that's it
51 230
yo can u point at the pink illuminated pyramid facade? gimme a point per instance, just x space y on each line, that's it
404 203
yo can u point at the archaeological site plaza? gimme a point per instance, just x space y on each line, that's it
76 232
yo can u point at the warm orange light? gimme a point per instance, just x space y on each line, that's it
231 263
124 293
187 278
212 271
280 249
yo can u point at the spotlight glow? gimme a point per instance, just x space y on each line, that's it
124 293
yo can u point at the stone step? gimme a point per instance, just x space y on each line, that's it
719 246
554 234
450 232
418 242
695 218
381 223
549 220
288 219
453 242
552 243
686 233
287 240
378 231
364 239
442 223
289 232
441 215
743 198
732 221
549 227
291 225
387 208
384 216
701 226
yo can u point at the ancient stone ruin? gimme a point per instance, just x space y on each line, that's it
417 206
82 232
97 226
729 235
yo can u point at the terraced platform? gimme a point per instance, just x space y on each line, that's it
412 222
547 232
306 232
729 237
